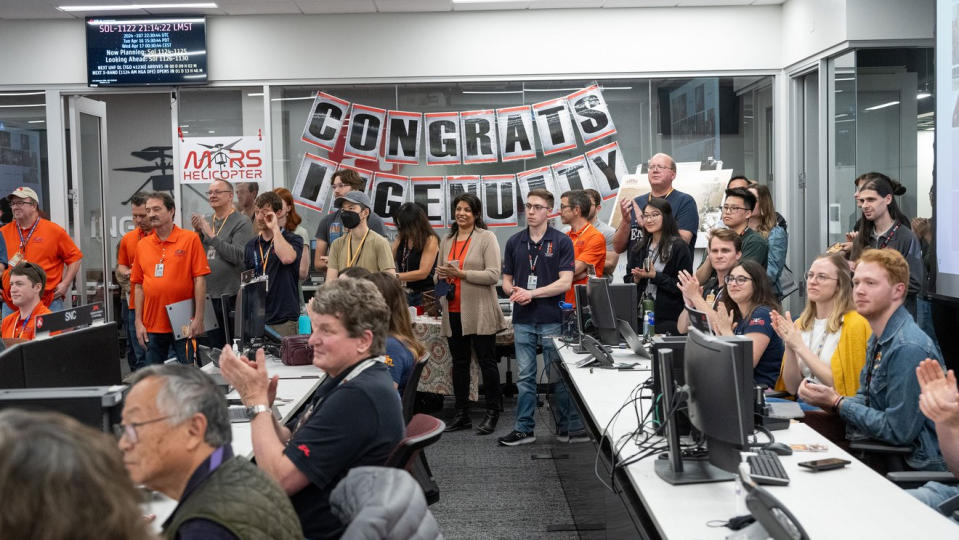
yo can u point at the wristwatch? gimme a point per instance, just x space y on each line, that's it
251 412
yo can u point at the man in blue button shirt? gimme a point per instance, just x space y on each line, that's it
886 407
537 272
662 172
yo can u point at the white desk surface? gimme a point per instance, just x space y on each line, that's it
852 502
294 388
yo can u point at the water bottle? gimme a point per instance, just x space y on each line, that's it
570 328
304 326
649 324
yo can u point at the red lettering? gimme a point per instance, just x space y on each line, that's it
198 163
253 158
236 160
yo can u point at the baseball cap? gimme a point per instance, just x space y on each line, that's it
357 197
25 193
32 270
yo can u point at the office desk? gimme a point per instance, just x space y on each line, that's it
295 387
853 502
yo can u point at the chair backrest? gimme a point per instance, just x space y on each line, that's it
409 391
422 431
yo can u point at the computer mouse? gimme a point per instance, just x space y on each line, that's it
780 449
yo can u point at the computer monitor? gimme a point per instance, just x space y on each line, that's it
601 312
677 377
625 298
250 322
718 372
84 357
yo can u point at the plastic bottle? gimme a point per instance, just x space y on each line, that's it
304 326
570 328
649 325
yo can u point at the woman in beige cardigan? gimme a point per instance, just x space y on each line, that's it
469 261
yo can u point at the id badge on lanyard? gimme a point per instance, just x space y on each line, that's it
530 283
158 270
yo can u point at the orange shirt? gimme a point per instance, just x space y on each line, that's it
589 246
126 254
49 246
458 251
13 327
183 259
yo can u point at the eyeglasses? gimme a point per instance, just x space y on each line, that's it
21 203
130 430
538 207
728 209
819 277
213 192
655 215
659 167
738 280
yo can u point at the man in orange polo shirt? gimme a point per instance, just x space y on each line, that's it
126 254
169 267
27 281
32 238
589 246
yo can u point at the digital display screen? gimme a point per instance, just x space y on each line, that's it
135 51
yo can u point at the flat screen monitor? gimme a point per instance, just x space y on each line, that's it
626 303
86 357
141 51
719 375
675 378
251 312
601 312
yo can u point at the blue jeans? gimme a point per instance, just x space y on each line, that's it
136 354
158 349
526 337
924 319
933 493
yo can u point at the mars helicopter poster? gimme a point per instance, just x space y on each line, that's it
234 159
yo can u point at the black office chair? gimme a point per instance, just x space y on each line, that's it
881 457
915 479
409 391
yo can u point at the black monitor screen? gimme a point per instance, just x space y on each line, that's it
86 357
719 374
136 51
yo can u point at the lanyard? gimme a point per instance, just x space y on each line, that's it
883 240
354 372
529 249
216 232
459 257
265 258
23 243
350 256
22 327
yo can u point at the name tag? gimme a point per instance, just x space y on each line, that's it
158 270
530 283
211 253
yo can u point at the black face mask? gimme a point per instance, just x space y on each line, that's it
350 219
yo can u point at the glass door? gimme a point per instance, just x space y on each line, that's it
88 184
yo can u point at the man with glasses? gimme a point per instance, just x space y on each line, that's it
331 225
175 437
662 172
224 235
29 237
537 271
736 213
589 246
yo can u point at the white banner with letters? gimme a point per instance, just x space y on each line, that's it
572 174
403 137
554 125
478 133
515 129
608 167
591 114
455 185
234 159
442 138
387 194
428 191
312 184
364 132
499 200
326 119
539 178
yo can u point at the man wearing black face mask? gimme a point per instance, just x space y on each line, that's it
362 246
275 252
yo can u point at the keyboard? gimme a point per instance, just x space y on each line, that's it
765 468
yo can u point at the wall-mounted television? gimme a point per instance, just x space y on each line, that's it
140 51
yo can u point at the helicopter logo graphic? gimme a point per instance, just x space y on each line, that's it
220 153
162 158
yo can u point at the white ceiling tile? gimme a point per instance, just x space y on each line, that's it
413 5
491 6
711 3
258 7
639 3
336 6
767 2
560 4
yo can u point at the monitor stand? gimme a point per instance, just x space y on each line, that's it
692 472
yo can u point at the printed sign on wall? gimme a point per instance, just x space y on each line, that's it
365 130
325 120
515 128
572 174
403 137
540 178
608 167
387 194
312 185
499 200
478 132
442 138
554 126
591 114
456 185
234 159
428 191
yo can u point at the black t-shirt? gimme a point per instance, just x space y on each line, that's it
409 260
551 255
282 297
354 424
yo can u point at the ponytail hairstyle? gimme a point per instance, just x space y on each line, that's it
883 185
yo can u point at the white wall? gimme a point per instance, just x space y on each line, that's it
810 27
912 19
482 44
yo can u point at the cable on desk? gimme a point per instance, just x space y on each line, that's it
634 396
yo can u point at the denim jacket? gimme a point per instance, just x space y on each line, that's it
886 407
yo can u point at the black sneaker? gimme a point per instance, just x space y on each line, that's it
578 436
517 438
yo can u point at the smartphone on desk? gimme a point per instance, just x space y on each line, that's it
827 464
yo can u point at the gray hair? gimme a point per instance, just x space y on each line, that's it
187 390
359 306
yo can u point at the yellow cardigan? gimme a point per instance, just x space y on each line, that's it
848 358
